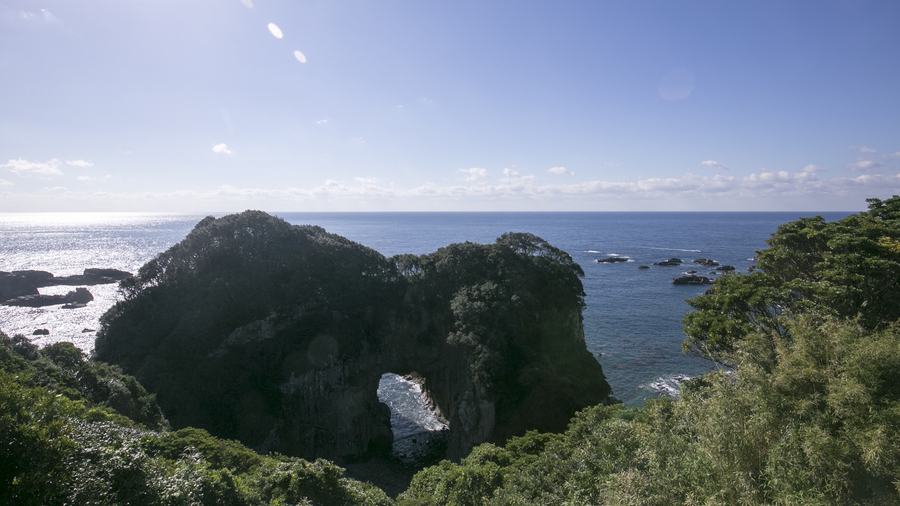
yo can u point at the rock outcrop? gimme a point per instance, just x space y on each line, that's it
691 279
26 283
73 299
670 262
612 260
278 335
15 285
706 262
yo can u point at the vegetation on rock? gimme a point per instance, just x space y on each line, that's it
276 335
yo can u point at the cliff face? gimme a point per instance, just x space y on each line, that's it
277 335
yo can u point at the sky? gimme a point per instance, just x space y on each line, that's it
396 105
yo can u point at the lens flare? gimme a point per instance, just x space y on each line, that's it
275 31
300 56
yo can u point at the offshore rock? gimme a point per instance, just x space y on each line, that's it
278 335
669 262
612 260
75 298
691 279
14 285
25 283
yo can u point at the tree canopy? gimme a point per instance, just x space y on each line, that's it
848 268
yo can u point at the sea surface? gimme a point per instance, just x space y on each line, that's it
632 321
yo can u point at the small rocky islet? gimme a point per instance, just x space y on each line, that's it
20 288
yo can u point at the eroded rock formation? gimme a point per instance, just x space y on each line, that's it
278 335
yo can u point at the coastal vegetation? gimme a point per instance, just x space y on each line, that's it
77 431
803 406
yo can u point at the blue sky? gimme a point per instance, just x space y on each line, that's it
168 105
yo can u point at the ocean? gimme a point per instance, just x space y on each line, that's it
632 321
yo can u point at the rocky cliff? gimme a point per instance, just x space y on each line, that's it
277 335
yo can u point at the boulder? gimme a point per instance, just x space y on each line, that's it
612 260
643 267
41 332
706 262
691 280
725 268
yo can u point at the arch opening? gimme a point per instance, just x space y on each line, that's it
420 432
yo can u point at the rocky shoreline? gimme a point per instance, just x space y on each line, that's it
20 288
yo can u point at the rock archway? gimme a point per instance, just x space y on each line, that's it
277 335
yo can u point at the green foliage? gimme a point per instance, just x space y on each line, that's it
64 369
493 298
810 419
58 445
849 268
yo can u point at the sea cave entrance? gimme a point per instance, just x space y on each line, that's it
420 434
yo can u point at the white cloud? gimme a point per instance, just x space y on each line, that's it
366 180
782 188
22 167
275 31
86 178
863 149
79 163
222 149
474 174
33 17
559 170
322 121
4 182
513 175
872 162
714 164
863 165
811 168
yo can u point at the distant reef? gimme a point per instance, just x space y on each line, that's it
277 335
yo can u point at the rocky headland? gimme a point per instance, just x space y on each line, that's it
277 335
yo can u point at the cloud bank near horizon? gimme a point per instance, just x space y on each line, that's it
514 192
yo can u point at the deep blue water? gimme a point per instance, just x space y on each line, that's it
632 320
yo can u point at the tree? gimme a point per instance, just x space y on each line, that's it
848 268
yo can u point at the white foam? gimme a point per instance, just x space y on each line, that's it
667 385
676 249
